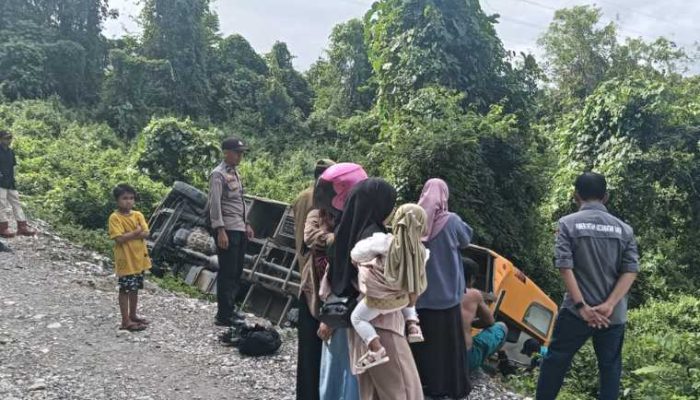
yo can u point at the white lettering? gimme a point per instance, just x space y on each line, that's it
587 226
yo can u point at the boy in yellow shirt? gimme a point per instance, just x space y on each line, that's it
128 229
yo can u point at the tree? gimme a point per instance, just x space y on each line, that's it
22 70
181 32
134 90
487 160
279 60
451 43
58 48
577 52
580 55
169 150
343 83
238 80
642 133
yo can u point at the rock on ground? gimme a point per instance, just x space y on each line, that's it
59 337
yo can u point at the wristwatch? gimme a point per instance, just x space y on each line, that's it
579 305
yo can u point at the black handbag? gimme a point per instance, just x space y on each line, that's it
335 312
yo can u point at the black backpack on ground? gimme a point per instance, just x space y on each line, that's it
255 340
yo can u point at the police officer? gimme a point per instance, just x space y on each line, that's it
227 215
596 255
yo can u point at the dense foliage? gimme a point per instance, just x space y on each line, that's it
660 356
416 89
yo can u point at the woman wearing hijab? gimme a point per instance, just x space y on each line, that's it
391 276
310 236
330 194
441 358
367 207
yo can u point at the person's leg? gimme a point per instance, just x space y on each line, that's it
128 288
225 281
608 350
134 299
336 379
441 358
124 309
240 244
410 313
360 318
415 333
133 303
486 343
22 224
17 211
5 215
308 353
570 333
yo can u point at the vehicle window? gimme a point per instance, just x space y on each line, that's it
538 318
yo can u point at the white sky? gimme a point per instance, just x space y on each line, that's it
305 24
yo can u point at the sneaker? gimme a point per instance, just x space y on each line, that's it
237 315
235 319
223 322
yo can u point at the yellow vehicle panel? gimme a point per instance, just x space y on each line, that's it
520 300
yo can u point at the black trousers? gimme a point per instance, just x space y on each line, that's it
228 279
442 358
570 333
308 354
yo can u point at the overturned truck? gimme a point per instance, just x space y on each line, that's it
181 244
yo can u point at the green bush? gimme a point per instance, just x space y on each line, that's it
67 169
170 150
661 356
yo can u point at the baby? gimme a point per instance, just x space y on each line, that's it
391 275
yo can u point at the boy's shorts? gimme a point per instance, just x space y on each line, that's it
487 342
131 283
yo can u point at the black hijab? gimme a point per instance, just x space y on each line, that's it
368 205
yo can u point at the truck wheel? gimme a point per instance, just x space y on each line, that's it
191 193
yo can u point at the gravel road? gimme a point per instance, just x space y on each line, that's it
59 337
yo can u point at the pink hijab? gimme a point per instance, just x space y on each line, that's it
343 176
433 199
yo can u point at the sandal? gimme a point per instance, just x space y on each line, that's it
415 334
371 359
141 321
133 327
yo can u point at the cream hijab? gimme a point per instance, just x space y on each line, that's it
405 263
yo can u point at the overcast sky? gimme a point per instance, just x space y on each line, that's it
305 24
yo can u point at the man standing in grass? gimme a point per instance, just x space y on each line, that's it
596 255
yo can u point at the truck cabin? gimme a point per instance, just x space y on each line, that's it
527 311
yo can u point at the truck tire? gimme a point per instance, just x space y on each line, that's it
191 193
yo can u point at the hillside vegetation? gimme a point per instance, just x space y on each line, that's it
416 89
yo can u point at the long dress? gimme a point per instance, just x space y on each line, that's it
441 358
397 379
308 343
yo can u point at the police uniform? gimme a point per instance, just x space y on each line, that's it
227 209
